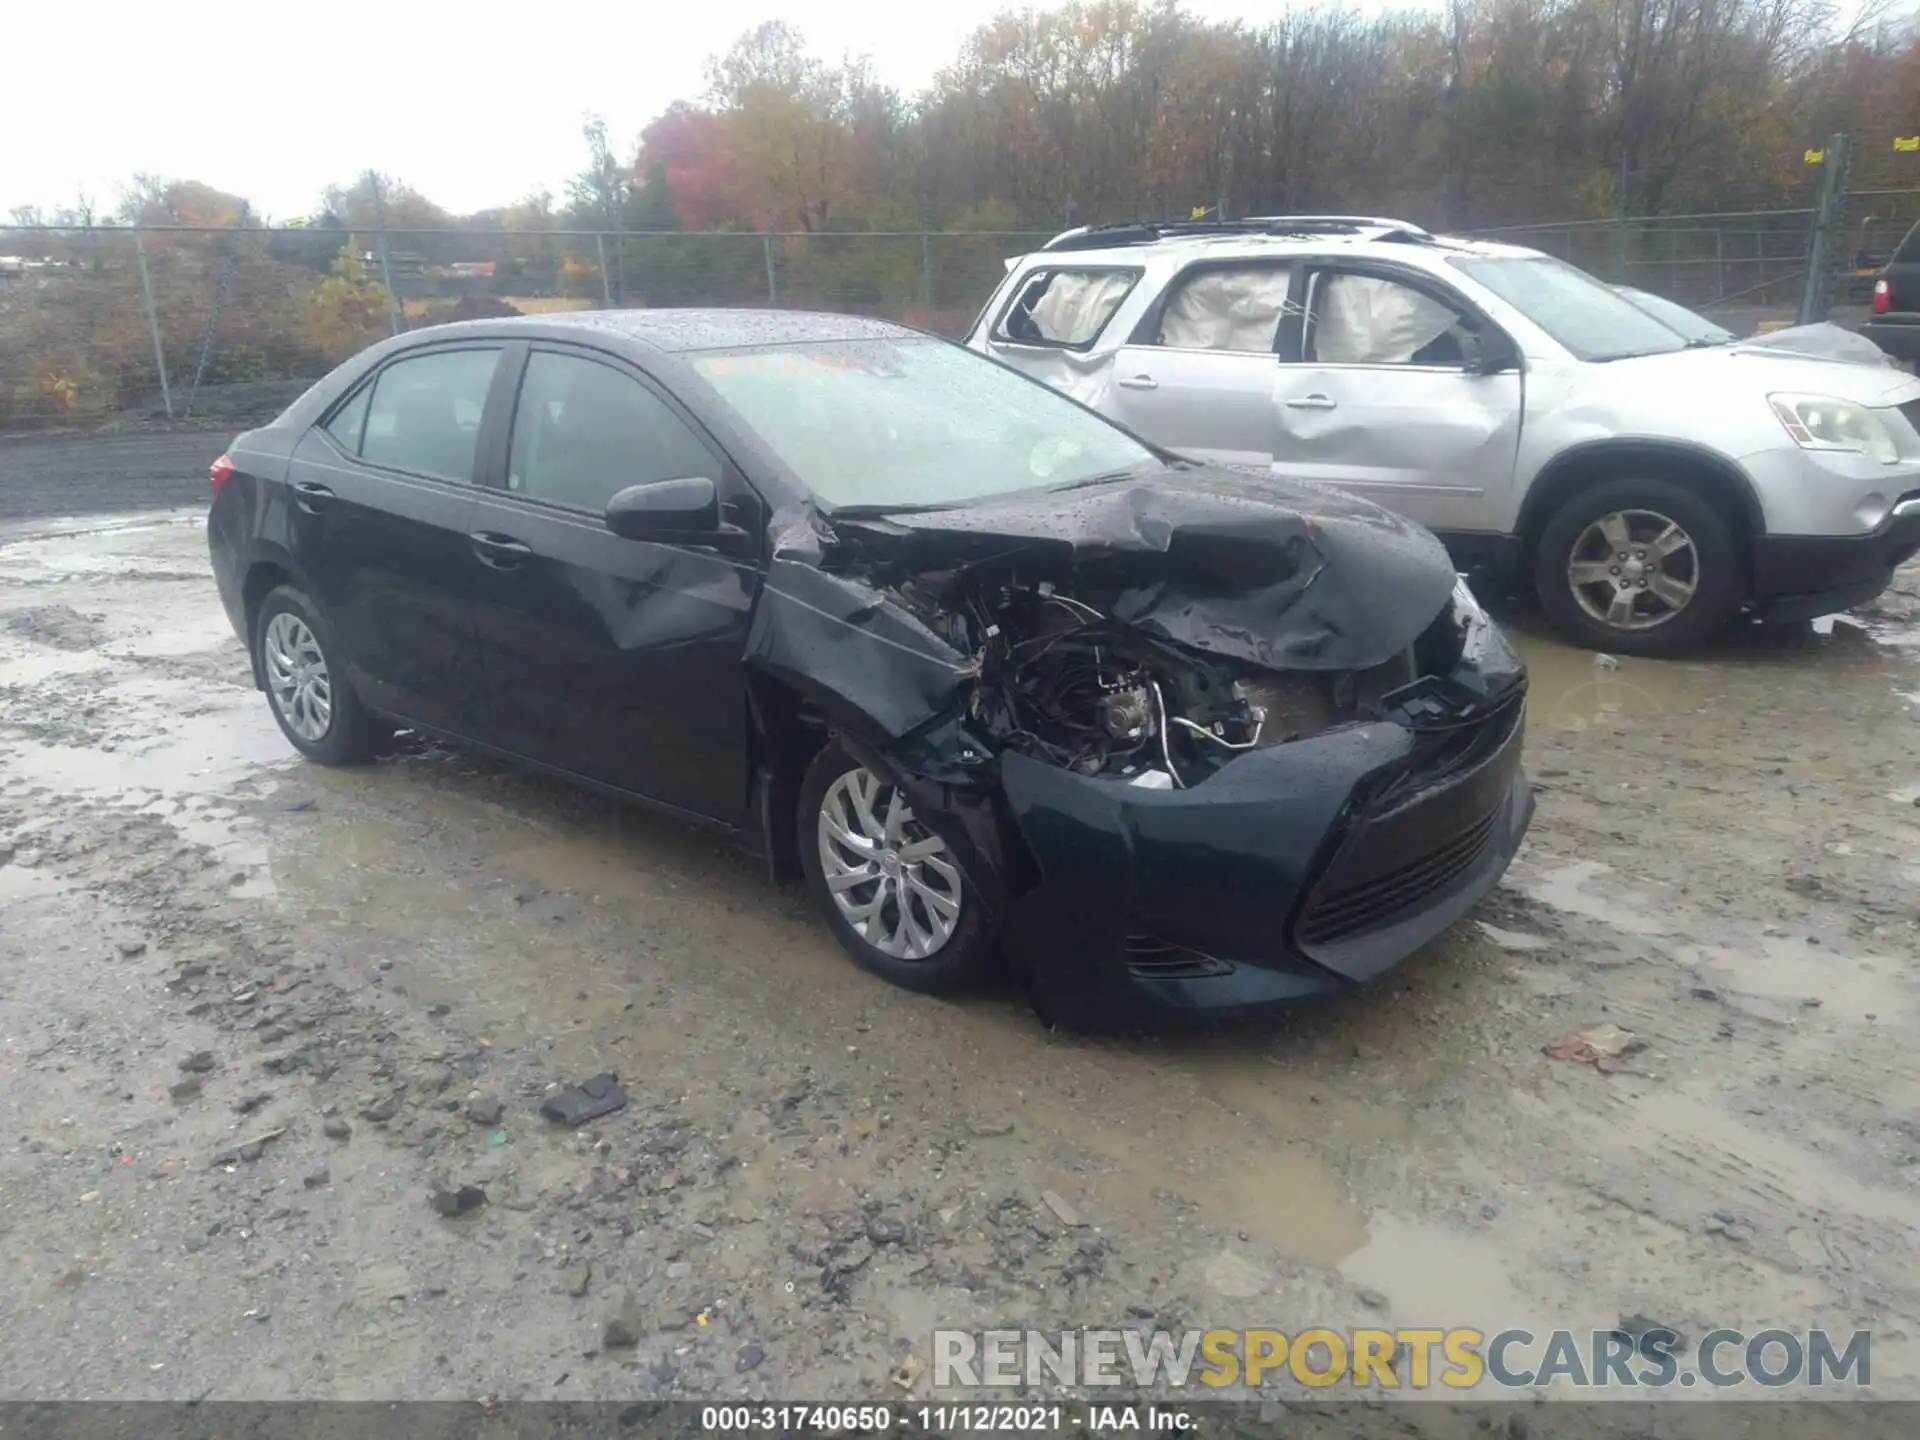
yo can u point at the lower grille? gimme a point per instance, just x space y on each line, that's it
1151 958
1379 901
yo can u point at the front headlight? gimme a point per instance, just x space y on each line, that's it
1822 422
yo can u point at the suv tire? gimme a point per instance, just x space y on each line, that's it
1641 567
887 881
299 662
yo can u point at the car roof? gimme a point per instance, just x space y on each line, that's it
690 330
1374 244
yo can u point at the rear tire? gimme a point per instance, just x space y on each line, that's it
299 660
888 882
1638 567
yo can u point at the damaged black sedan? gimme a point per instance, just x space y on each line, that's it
993 675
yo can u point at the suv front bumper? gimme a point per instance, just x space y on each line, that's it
1799 577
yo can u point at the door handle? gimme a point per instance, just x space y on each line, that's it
502 552
310 497
1138 382
1313 402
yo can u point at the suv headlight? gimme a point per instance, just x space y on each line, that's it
1823 422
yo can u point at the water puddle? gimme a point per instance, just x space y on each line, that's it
1789 969
1435 1276
1570 689
1565 889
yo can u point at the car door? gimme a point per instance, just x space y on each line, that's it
616 660
380 504
1377 395
1198 374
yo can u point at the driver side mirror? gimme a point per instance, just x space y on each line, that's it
1488 353
663 508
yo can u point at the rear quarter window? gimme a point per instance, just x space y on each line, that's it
1063 306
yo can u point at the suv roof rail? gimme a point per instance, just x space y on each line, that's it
1148 232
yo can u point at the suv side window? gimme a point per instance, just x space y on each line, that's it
584 431
1226 308
1064 307
423 414
1355 319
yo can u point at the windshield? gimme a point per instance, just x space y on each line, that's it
913 423
1591 320
1690 326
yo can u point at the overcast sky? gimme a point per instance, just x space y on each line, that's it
474 104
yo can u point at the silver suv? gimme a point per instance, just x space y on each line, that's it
1649 486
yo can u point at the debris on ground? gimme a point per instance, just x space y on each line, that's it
1599 1047
1063 1212
452 1200
198 1063
589 1100
484 1109
1648 1334
622 1330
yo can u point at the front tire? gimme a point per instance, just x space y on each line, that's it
888 883
1638 567
306 685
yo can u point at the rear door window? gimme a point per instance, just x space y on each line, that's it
1064 307
424 415
1226 308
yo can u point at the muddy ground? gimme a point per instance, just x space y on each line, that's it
252 1012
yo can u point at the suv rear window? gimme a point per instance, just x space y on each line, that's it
1068 308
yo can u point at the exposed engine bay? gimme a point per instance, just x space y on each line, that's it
1058 679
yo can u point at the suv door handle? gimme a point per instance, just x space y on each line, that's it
1313 402
502 552
310 497
1138 382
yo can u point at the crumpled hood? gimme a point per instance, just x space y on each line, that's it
1823 341
1281 574
1285 575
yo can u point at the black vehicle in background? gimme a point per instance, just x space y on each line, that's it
1893 311
993 675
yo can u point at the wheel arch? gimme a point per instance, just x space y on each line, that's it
1709 474
265 572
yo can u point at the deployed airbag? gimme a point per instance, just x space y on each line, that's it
1363 321
1227 310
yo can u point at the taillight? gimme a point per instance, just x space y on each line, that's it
219 471
1882 297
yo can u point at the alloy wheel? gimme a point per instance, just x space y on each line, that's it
297 677
1633 570
892 879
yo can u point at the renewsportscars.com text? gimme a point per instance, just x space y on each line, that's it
1454 1360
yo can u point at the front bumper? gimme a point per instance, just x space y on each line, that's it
1297 870
1799 577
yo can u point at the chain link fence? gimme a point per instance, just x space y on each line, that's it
131 327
